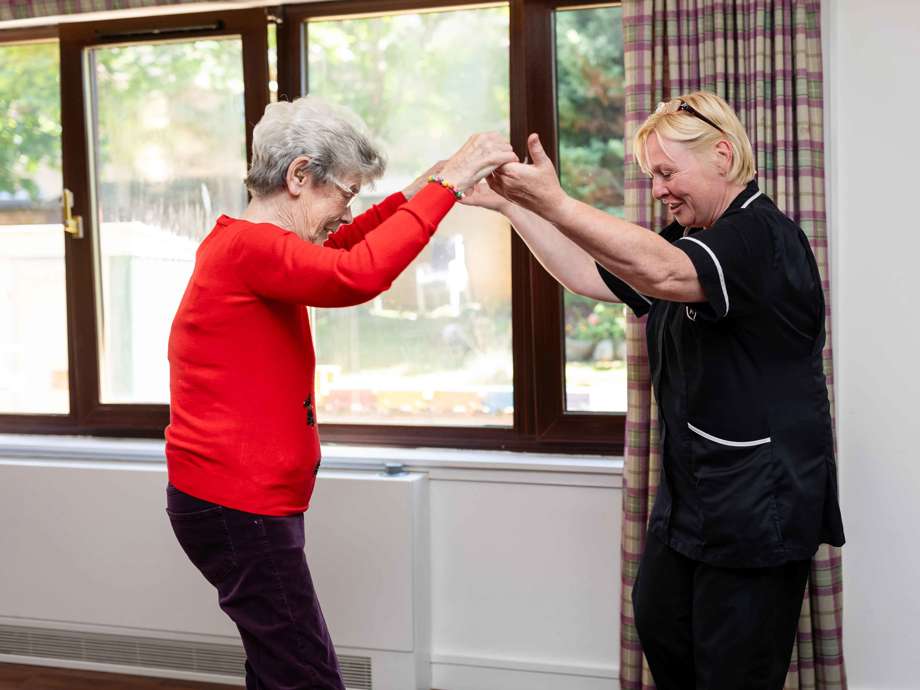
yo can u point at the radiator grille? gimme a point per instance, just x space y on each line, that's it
148 652
356 672
122 650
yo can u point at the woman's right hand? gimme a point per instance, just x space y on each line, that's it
482 194
535 186
480 155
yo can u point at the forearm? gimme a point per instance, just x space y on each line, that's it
569 264
642 258
373 264
279 265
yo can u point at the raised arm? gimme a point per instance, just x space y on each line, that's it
643 259
279 265
349 235
568 263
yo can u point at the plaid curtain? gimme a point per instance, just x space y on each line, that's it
764 58
28 9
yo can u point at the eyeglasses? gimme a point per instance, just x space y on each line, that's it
350 193
687 108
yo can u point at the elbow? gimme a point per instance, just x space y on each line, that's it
577 284
652 283
380 283
672 285
350 291
657 281
372 285
572 285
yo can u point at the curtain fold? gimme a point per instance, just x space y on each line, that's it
764 58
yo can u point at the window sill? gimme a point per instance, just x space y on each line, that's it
379 458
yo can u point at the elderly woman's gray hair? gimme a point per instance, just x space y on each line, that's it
334 139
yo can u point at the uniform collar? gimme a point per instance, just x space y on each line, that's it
746 196
743 200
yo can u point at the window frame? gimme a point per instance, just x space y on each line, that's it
88 415
541 422
46 423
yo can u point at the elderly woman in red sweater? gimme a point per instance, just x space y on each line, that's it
242 446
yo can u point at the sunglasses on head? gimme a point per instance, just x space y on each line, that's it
687 108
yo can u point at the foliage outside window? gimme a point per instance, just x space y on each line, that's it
33 318
590 103
436 348
169 159
163 149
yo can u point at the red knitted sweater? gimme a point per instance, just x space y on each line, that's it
242 429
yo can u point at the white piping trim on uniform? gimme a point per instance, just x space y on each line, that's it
714 259
747 203
718 269
733 444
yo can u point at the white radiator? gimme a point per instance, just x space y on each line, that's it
92 576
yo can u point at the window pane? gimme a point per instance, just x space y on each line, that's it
589 72
169 158
33 312
436 348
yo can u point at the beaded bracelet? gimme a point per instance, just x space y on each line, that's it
447 185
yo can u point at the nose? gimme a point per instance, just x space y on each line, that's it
659 188
347 217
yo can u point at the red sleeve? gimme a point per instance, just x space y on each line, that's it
349 235
277 264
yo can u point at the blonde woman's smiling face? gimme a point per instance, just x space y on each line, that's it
692 185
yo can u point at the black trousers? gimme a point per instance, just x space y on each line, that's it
258 566
704 627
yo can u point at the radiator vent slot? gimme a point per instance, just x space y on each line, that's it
151 652
356 672
122 650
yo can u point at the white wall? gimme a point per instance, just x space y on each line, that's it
524 564
871 67
525 577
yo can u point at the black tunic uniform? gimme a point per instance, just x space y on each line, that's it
749 477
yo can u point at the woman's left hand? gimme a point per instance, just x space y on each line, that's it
422 180
535 186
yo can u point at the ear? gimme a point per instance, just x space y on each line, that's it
724 156
298 178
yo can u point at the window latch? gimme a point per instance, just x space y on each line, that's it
73 225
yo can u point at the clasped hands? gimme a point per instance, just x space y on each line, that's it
490 174
533 185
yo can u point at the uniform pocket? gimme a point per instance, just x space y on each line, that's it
204 537
735 480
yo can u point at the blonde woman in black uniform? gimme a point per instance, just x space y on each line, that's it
735 333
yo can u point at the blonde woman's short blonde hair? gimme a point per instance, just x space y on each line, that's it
674 124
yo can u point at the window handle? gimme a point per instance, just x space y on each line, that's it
73 225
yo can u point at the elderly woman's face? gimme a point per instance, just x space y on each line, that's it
693 188
326 207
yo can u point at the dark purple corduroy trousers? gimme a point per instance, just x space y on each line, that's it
258 566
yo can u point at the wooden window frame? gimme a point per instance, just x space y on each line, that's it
541 422
88 415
